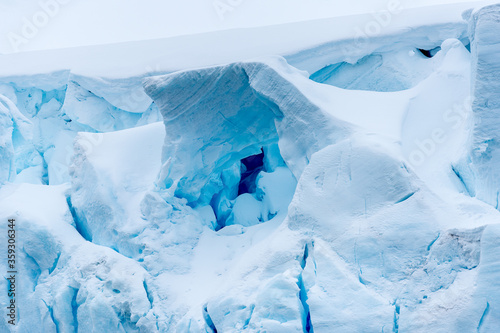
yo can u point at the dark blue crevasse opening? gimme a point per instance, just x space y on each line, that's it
242 178
250 168
430 53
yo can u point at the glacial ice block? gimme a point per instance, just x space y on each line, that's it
485 157
67 283
16 149
6 149
110 174
214 117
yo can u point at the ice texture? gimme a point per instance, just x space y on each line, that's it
480 170
253 196
248 105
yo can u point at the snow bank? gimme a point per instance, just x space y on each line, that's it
366 246
481 171
73 284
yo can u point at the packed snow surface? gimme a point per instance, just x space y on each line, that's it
50 24
332 185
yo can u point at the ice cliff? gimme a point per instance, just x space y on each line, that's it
317 191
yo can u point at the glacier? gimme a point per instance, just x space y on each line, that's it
480 172
330 186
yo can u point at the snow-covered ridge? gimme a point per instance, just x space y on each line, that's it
320 189
176 53
42 24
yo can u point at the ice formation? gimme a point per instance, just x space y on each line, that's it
311 191
480 170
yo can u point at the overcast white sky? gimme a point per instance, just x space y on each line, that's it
89 22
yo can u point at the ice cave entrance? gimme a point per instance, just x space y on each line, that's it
250 168
256 189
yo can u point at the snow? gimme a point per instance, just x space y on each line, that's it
331 40
6 143
110 174
35 25
50 251
244 124
297 180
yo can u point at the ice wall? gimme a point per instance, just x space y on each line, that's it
482 172
41 115
229 113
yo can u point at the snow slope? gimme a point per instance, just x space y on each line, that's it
53 24
175 53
